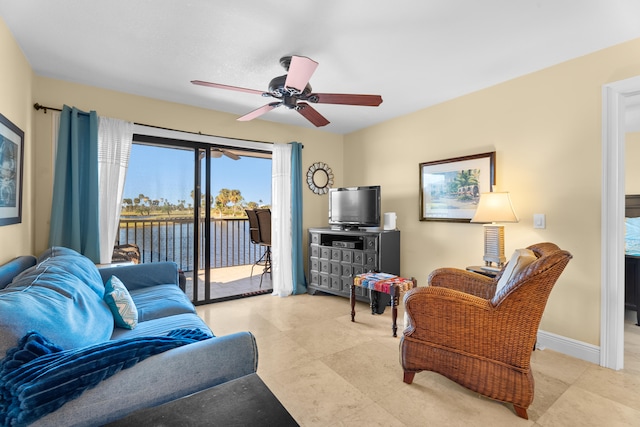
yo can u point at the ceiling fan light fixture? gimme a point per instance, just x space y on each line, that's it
278 89
290 102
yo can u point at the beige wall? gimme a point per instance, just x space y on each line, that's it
318 145
631 157
546 130
15 105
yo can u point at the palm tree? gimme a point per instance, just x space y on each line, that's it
236 198
465 181
128 203
167 207
218 206
223 198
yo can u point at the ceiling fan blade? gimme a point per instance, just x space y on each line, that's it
259 111
230 155
216 153
345 99
300 71
312 114
220 86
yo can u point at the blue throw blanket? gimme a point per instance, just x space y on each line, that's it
37 377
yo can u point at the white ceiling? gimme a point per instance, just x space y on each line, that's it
415 53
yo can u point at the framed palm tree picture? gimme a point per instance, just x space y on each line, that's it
450 189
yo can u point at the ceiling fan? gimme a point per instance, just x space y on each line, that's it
216 153
294 92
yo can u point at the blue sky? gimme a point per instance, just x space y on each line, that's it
160 172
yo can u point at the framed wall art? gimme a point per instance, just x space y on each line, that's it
11 163
450 189
319 178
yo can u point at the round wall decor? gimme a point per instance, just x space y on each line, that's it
319 178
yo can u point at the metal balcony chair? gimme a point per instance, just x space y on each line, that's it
264 226
260 234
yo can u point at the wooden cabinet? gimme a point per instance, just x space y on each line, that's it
335 256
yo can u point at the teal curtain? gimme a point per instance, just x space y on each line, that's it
299 279
74 209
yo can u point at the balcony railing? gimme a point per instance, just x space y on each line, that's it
172 240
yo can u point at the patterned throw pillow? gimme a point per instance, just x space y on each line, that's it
119 301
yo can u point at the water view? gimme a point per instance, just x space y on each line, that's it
172 239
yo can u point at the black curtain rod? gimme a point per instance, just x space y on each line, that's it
42 107
38 107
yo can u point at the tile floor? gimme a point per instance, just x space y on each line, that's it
230 282
328 371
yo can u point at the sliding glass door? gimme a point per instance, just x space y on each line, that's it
184 202
238 180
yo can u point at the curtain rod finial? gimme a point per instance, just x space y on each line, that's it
38 107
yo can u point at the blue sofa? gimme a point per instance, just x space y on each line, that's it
60 296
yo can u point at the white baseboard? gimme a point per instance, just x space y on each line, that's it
568 346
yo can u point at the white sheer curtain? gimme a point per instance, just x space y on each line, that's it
281 263
55 129
114 147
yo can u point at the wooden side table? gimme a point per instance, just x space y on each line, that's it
385 283
482 270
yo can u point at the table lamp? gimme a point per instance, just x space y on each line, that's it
492 208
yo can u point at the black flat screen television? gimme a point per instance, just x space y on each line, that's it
353 207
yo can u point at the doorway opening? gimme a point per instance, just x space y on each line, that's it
614 99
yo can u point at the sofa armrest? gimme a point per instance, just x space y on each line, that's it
14 267
138 276
159 379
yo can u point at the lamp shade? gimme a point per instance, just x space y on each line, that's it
495 207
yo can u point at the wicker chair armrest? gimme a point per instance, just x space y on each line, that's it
469 324
463 281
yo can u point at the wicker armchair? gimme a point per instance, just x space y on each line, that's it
458 328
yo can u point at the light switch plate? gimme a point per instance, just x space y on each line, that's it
539 221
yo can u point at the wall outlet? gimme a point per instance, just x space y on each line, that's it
539 221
